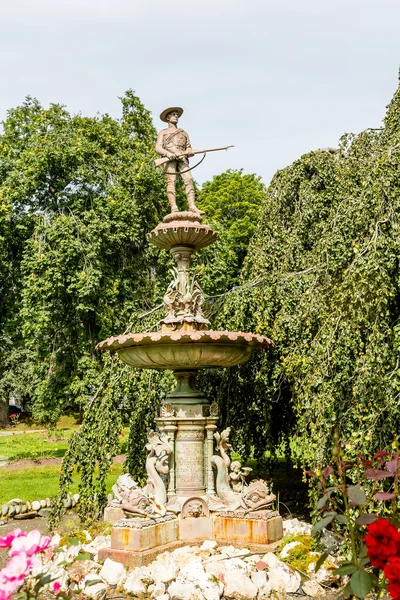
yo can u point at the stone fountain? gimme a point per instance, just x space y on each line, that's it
194 491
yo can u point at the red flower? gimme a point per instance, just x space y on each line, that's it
394 589
383 542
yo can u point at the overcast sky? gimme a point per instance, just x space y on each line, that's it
276 78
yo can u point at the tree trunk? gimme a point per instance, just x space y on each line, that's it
3 413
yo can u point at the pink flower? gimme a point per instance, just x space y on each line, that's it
56 587
6 541
17 567
7 588
30 544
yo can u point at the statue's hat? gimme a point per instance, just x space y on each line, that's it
165 112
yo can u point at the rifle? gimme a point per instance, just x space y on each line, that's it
161 161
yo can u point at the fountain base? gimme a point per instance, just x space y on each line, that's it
136 547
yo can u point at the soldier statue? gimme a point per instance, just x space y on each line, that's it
174 146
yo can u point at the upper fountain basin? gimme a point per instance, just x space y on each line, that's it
182 350
182 229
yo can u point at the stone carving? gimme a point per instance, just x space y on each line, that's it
237 475
231 487
167 410
257 496
183 298
157 465
195 507
133 500
214 409
143 523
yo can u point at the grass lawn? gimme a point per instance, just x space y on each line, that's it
35 445
40 482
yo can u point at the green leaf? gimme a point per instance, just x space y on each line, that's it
361 583
83 556
323 523
323 558
93 582
356 495
73 542
346 569
43 581
346 592
322 501
363 551
342 519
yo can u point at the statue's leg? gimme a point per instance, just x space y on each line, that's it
170 169
189 185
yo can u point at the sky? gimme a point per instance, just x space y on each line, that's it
276 78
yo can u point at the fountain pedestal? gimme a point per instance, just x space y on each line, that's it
194 492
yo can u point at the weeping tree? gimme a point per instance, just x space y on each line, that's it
322 280
81 193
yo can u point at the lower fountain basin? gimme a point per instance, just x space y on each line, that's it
184 350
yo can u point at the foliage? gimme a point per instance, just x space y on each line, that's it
353 494
231 201
80 195
322 280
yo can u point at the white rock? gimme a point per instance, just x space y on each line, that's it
322 575
163 597
280 575
56 572
156 589
313 589
137 582
184 591
216 568
237 564
259 578
295 526
208 545
164 570
67 555
97 591
239 587
36 505
252 560
113 572
232 551
194 573
184 550
101 541
287 548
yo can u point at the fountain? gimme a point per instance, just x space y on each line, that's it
194 491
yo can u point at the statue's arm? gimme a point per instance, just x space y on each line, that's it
188 146
159 145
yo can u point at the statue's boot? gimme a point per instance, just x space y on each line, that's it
172 199
191 199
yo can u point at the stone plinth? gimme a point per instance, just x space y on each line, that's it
248 530
145 537
196 529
